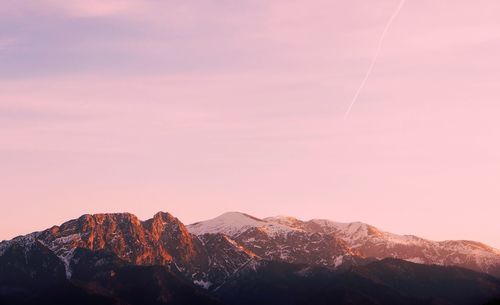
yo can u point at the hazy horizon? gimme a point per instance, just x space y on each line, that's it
201 107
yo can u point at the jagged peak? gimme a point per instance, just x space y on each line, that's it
164 216
162 222
101 218
107 215
123 232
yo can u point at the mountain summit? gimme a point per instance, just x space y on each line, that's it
330 243
119 259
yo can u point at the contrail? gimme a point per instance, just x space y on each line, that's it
374 60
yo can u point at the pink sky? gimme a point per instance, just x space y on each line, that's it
201 107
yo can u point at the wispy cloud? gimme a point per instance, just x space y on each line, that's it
100 8
255 92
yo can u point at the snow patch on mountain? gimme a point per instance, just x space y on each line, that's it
235 223
416 260
230 223
360 238
338 261
4 245
203 284
243 240
26 242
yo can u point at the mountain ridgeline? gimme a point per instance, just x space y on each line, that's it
240 259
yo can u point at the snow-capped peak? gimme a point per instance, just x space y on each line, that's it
357 233
235 223
362 238
230 223
316 241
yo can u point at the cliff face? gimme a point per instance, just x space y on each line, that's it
173 240
162 240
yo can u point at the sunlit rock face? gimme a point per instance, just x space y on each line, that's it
209 252
157 241
162 240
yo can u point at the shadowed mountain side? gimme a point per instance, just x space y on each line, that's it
385 282
100 277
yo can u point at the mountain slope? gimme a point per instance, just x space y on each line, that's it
99 277
117 259
329 243
387 282
162 240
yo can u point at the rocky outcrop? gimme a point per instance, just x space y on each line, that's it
160 241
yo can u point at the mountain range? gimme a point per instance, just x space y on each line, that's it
240 259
